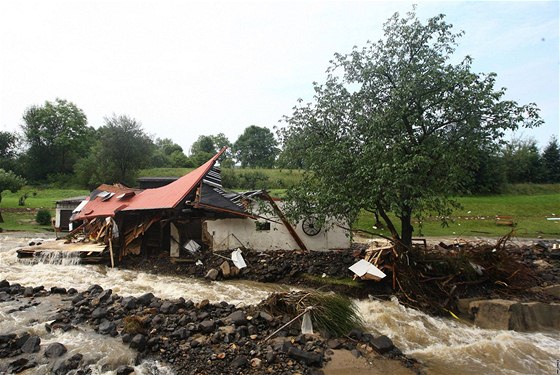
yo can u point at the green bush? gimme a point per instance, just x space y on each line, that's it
43 217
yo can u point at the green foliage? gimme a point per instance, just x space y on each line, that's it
551 162
121 150
256 147
43 217
57 135
522 161
206 146
10 181
396 127
169 154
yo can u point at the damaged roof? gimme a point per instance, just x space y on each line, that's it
107 200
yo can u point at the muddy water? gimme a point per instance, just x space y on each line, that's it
445 346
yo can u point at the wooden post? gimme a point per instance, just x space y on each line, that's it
285 221
111 251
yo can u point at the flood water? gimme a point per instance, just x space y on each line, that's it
444 346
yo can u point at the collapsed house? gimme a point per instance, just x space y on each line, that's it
195 212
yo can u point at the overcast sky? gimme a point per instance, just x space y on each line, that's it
185 69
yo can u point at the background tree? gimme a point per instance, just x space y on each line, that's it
57 135
8 147
207 146
169 154
9 181
551 162
121 150
396 126
522 161
256 147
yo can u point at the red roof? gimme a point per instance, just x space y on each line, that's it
165 197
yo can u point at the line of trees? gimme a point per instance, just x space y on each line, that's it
56 145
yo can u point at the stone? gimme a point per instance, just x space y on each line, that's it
168 307
239 362
54 350
181 333
553 290
145 299
308 358
4 284
129 303
256 362
107 328
266 316
334 344
28 292
95 289
99 312
78 298
226 270
4 339
104 295
207 326
57 290
63 367
212 274
138 342
237 317
20 365
355 334
32 345
513 315
124 370
382 344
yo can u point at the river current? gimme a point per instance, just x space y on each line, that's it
444 346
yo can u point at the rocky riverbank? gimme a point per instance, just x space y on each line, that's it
201 338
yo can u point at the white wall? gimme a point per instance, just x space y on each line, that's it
225 234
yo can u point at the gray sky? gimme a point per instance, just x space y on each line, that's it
186 68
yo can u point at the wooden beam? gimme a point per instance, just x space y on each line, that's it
284 220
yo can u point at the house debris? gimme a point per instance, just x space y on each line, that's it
188 214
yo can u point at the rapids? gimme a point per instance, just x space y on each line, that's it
444 346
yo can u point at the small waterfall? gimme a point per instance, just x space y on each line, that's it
58 258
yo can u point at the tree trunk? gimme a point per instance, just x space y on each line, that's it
1 218
406 227
389 223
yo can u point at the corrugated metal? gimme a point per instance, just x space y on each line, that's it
169 196
165 197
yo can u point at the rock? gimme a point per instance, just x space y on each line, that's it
55 350
207 326
94 289
63 367
138 342
526 316
355 334
270 356
266 317
334 344
168 307
19 365
356 353
124 370
32 345
203 304
237 317
239 362
226 270
4 284
553 290
57 290
382 344
107 328
72 291
104 295
99 312
129 303
4 339
145 299
309 358
181 333
212 274
28 292
80 297
256 362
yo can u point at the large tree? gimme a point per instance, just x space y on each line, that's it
522 161
57 135
8 146
9 181
256 147
207 146
396 126
121 150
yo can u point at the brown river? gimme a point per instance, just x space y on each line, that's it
444 346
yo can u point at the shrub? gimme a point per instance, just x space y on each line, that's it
43 217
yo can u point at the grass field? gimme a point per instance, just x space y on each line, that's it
477 217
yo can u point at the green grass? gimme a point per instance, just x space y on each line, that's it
477 217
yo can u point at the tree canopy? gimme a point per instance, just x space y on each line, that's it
396 126
256 147
551 162
121 150
9 181
57 135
